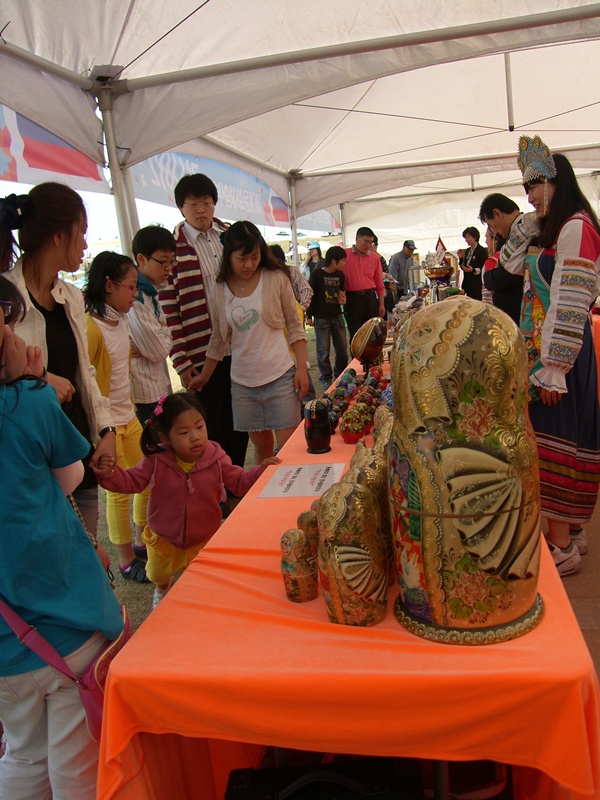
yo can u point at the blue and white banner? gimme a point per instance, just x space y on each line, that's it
241 195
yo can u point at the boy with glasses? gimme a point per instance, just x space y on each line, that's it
154 253
186 301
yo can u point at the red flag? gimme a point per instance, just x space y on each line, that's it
440 250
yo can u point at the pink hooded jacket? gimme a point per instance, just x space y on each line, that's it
184 509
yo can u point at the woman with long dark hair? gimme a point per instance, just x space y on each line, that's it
254 302
562 279
51 222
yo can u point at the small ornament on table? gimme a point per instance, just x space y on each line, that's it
299 565
317 427
368 341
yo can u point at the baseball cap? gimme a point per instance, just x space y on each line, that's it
410 244
312 245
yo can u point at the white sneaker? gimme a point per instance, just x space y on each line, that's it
580 539
567 561
157 597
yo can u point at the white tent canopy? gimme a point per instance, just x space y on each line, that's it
326 102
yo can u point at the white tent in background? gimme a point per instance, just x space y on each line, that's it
400 102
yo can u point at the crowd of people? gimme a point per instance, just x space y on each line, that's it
86 398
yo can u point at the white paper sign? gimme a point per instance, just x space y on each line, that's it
306 480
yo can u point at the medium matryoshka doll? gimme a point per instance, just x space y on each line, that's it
464 484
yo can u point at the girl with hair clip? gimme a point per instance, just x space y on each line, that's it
51 223
253 303
111 290
562 280
187 475
49 575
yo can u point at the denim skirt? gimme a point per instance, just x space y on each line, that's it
272 407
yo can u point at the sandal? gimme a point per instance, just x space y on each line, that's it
136 571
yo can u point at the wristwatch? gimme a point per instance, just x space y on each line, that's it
104 431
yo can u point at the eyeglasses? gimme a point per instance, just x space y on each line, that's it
172 263
205 205
530 184
7 307
133 289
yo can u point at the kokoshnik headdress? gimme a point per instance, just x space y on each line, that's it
535 159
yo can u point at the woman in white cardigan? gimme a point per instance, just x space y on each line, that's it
52 223
255 316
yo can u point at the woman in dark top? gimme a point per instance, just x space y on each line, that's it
471 262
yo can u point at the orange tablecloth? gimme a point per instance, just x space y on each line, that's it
226 663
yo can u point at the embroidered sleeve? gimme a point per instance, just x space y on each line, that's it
571 293
512 255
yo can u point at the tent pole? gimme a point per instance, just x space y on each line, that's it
414 39
509 93
342 225
293 217
132 214
118 185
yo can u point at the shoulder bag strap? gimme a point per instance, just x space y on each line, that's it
29 636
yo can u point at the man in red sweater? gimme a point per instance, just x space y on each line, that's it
364 282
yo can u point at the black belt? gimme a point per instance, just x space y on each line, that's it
366 291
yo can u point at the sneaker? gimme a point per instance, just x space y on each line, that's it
140 552
580 539
567 561
157 597
135 571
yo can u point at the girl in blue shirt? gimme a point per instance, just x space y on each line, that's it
50 575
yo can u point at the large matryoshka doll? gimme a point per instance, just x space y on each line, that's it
464 485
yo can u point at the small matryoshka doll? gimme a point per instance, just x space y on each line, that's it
352 555
299 565
463 476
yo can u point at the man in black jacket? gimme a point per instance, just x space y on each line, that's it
500 213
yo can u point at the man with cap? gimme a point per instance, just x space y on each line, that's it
399 265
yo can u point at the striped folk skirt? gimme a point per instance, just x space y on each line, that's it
568 439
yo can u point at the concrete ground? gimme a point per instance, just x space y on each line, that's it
583 590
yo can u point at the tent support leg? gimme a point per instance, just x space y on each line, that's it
342 225
132 214
294 218
509 93
118 185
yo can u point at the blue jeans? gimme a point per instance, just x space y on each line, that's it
327 329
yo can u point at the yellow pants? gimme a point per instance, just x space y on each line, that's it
164 559
129 454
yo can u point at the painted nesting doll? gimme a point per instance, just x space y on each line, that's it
464 484
299 564
368 341
352 555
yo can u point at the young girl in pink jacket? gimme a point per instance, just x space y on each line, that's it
187 476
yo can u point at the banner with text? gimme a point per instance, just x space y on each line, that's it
241 195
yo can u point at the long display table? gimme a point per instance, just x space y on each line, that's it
226 664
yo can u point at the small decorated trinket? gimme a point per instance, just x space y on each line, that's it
299 565
317 427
